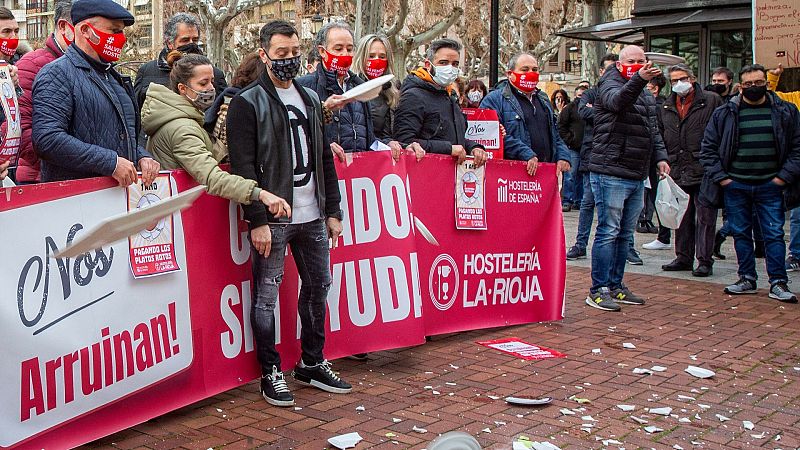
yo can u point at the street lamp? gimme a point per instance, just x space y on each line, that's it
316 23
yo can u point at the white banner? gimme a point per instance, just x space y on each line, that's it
81 333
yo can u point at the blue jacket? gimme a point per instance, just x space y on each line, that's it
720 143
84 118
352 125
517 143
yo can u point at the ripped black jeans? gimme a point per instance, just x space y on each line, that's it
309 243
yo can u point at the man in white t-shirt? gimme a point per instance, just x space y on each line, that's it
275 137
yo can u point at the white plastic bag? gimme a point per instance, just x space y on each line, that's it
671 203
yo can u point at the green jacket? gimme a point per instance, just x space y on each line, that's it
177 140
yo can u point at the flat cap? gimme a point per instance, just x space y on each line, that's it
84 9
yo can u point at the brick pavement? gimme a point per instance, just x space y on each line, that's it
752 343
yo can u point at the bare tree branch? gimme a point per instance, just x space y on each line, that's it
436 30
399 21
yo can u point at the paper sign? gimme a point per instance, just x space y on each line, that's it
9 149
470 192
483 127
776 33
153 248
522 350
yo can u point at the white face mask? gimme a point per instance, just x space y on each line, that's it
682 88
475 96
445 75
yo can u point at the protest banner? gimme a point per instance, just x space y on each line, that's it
153 248
776 33
103 351
470 196
9 149
483 127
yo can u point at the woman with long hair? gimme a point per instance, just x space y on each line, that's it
559 99
173 119
475 93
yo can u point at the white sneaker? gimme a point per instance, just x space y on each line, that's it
656 245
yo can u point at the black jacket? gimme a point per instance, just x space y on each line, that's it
720 143
352 125
429 115
570 125
157 71
586 112
260 146
626 138
682 137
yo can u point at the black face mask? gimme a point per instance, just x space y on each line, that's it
190 48
754 93
718 88
285 69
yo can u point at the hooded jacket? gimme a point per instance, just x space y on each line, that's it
626 139
177 140
721 140
429 115
157 71
682 137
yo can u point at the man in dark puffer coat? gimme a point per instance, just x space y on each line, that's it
626 142
351 129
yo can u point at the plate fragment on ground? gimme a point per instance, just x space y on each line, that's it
699 372
582 401
653 429
628 345
761 435
658 369
626 408
607 442
528 401
596 351
722 418
703 406
417 429
493 397
661 411
566 412
487 430
748 425
640 371
684 420
344 441
588 419
396 420
544 446
639 420
360 408
685 397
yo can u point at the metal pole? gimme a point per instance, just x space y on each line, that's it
494 42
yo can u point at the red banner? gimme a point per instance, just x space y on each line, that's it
117 351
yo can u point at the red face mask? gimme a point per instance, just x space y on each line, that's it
339 64
376 67
109 48
525 82
628 70
8 46
67 40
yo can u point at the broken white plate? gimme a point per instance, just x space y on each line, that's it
761 435
684 420
566 412
661 411
685 397
544 446
527 401
640 371
658 369
626 408
699 372
455 440
639 420
396 420
607 442
360 408
417 429
588 419
628 345
748 425
722 418
345 441
596 351
653 429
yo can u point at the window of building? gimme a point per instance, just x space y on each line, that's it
731 48
686 45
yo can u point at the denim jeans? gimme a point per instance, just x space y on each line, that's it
619 202
586 216
794 233
309 243
572 185
765 200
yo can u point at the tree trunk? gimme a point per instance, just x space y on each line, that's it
215 45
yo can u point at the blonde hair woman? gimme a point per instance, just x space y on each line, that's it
373 58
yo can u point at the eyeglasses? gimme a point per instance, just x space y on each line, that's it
679 79
758 83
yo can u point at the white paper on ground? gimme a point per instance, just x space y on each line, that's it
345 441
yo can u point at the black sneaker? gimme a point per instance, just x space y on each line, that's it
779 291
576 253
633 258
274 389
743 286
792 264
624 295
320 376
602 300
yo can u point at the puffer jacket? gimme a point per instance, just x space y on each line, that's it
682 137
517 143
571 126
429 115
720 143
352 125
178 141
626 139
28 66
85 117
157 71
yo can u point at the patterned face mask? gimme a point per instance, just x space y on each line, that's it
203 99
285 69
